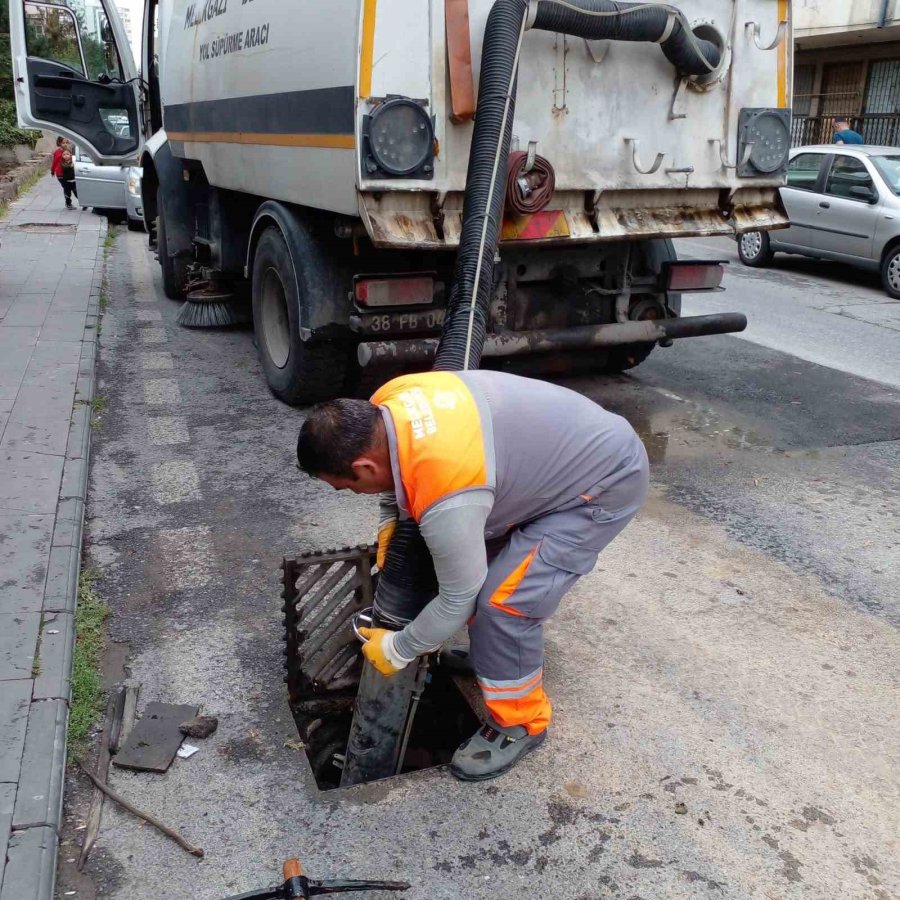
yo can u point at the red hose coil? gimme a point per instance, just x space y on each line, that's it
540 183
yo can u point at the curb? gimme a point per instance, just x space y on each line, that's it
30 872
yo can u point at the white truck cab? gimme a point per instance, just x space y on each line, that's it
320 154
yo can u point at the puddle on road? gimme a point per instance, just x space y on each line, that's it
672 426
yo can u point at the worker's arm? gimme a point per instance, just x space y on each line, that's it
454 533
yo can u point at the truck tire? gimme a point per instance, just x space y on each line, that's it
174 269
298 372
754 249
620 359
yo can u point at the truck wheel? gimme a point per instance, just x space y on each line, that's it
754 249
655 253
174 269
297 371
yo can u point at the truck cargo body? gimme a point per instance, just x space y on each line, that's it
335 141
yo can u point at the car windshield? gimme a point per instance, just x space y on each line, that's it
889 167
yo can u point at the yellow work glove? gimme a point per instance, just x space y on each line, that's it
379 650
385 533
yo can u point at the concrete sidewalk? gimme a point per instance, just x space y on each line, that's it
50 272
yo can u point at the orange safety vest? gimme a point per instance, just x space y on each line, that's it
440 442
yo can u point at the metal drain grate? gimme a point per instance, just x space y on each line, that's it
322 590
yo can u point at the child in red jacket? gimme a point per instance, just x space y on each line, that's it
62 165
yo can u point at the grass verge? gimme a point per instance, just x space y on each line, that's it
85 708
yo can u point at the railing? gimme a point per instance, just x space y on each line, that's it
881 129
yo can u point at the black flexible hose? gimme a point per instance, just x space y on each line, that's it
407 584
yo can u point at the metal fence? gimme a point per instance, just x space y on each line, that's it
883 129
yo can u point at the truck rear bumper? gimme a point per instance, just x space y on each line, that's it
426 222
521 343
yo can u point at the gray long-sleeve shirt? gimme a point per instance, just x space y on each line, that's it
546 445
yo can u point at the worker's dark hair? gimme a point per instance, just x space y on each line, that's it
839 119
334 435
59 140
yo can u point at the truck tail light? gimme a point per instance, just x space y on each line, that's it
393 290
695 276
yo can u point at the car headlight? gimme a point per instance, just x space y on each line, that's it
399 140
769 132
133 184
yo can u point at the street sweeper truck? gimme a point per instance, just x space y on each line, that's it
317 159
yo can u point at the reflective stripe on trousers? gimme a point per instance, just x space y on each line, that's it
525 583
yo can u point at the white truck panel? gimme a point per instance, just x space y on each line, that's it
599 113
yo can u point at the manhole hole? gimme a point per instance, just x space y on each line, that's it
44 228
323 659
442 722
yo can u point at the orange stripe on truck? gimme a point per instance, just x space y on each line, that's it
367 48
783 16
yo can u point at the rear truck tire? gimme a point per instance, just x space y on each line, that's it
755 249
298 372
174 268
890 272
620 359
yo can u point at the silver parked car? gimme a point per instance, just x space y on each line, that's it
844 204
110 188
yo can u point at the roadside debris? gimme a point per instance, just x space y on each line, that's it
111 730
155 739
199 726
174 835
186 751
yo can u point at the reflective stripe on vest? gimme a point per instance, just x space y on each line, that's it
440 443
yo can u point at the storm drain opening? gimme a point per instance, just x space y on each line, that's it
442 721
323 663
44 228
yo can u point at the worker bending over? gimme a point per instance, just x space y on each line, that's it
485 459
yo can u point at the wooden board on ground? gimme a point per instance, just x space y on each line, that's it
155 738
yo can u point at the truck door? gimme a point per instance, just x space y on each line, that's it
74 75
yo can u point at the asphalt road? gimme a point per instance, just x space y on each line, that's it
725 682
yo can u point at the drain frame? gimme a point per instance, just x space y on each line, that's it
322 592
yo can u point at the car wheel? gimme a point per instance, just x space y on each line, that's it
754 249
890 272
135 224
297 371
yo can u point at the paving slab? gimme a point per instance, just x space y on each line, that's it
39 798
24 552
18 644
15 700
7 801
54 658
28 309
30 872
29 482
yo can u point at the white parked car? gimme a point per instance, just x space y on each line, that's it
110 188
844 204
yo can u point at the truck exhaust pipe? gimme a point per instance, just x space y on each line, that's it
520 343
408 583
